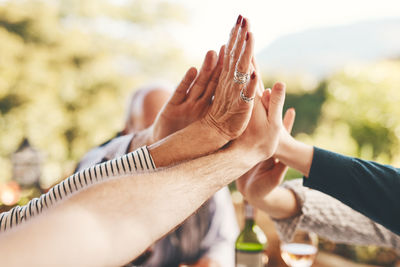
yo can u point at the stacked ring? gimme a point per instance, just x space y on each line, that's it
240 77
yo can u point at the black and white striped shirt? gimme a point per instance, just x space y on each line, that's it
134 162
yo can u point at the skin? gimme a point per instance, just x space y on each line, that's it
90 228
260 184
182 110
226 117
190 101
109 237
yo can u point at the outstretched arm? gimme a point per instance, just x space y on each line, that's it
97 225
368 187
332 220
199 138
112 222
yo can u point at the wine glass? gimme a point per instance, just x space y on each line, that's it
301 250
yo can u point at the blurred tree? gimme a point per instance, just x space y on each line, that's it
365 101
68 67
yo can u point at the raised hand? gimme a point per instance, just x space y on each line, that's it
265 176
230 113
191 99
265 129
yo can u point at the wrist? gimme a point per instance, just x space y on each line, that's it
295 154
196 140
209 122
142 138
212 133
286 142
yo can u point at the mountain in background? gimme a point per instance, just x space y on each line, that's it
322 51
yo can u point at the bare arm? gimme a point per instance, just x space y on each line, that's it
112 222
97 225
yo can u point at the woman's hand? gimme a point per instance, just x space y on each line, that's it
229 113
258 182
191 99
265 129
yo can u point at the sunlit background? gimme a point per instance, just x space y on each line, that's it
68 67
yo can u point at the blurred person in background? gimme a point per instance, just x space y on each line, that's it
207 237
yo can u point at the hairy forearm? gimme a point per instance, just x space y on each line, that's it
112 222
296 155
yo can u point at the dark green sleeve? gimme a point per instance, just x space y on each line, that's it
372 189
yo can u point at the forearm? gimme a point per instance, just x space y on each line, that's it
108 224
333 220
280 203
368 187
134 162
192 142
295 154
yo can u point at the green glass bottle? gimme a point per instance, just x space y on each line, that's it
251 243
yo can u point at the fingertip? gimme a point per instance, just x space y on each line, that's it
265 97
249 36
267 92
211 54
209 60
222 49
191 73
253 84
253 75
245 23
279 86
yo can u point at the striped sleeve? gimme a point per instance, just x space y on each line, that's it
138 161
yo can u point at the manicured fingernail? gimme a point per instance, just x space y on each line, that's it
244 23
247 36
253 75
239 19
267 89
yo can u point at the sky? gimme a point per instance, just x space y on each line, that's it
209 21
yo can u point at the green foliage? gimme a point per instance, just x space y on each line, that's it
366 100
64 84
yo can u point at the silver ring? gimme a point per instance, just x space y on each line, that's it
240 77
245 98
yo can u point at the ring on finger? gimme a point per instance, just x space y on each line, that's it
244 97
240 77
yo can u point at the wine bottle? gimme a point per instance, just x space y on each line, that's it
251 243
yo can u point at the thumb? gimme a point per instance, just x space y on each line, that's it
276 102
288 119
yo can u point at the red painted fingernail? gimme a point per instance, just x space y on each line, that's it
253 75
244 23
247 36
239 19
